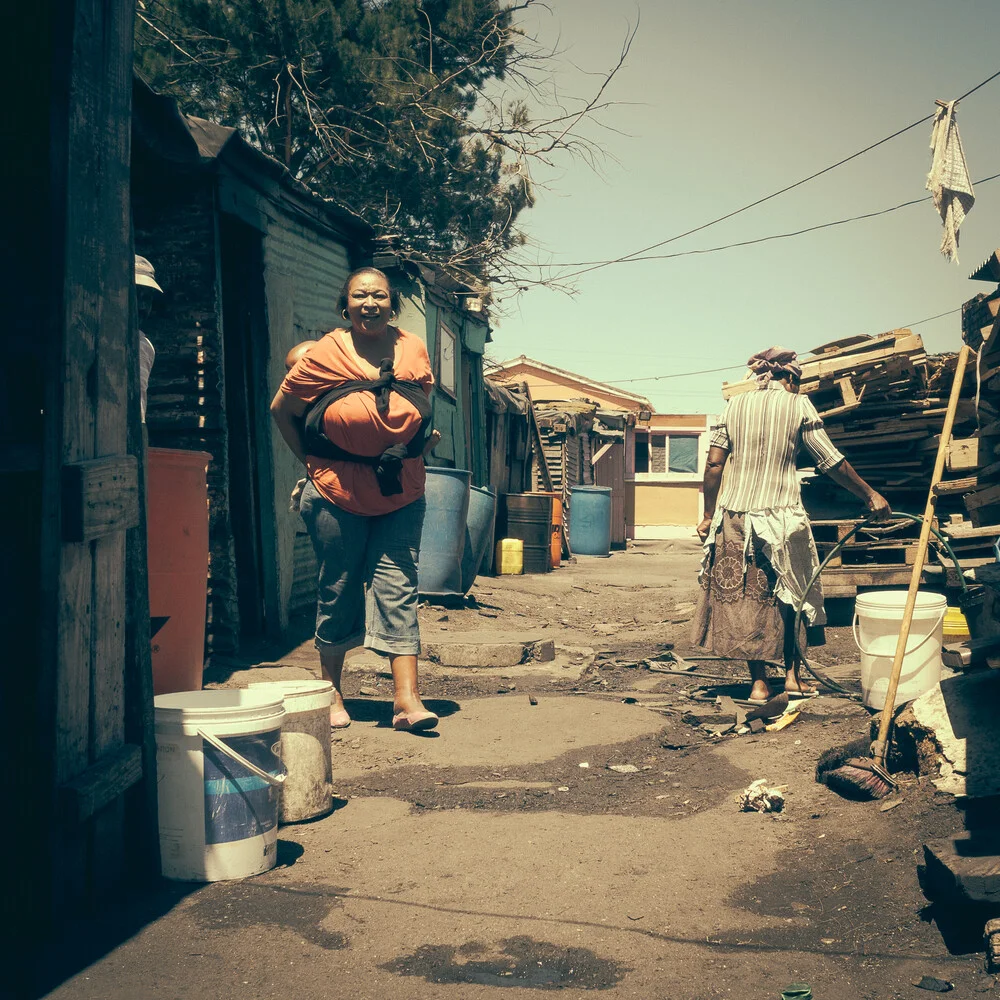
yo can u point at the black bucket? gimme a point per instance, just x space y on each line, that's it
529 517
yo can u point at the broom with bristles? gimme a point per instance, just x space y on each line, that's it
868 777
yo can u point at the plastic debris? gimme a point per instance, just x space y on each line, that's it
583 764
623 768
797 991
934 985
757 797
786 720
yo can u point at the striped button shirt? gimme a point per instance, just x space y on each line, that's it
763 431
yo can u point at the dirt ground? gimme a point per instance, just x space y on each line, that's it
503 851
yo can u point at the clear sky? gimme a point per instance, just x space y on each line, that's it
723 102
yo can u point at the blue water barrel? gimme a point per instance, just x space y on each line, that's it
439 566
590 520
478 533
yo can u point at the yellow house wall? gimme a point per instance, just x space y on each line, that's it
676 421
667 503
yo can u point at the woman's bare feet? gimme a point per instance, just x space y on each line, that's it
339 719
760 691
795 686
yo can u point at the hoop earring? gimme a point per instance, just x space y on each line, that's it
345 314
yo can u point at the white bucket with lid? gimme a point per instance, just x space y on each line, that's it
305 747
219 772
878 617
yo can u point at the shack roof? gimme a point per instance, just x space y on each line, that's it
189 140
989 270
514 367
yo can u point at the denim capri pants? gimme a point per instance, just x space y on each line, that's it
367 576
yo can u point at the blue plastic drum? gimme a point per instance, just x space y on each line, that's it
478 533
439 567
590 520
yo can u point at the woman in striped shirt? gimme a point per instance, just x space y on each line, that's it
759 550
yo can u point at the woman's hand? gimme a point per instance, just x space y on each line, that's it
705 526
432 440
878 507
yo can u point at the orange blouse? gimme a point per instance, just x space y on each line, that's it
355 424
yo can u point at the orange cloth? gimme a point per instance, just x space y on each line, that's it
355 424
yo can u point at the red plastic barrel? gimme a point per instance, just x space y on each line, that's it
177 539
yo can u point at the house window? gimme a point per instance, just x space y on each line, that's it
446 360
683 453
657 452
641 453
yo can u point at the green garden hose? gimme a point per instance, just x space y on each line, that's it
818 674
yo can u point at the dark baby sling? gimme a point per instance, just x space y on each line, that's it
388 465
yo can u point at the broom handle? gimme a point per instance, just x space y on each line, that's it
881 747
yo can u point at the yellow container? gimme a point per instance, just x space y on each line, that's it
510 557
956 628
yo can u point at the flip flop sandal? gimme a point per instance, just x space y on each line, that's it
344 722
414 722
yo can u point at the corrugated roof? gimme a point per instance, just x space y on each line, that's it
989 270
600 387
158 120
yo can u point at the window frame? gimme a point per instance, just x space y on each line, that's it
451 389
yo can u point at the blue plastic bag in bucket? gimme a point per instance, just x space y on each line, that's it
219 773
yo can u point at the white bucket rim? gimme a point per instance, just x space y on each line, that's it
218 707
883 601
300 694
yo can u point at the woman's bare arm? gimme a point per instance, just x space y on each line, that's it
288 412
714 465
843 474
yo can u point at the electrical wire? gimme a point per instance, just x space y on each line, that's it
759 239
729 368
775 194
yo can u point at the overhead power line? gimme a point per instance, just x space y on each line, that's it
729 368
774 194
593 264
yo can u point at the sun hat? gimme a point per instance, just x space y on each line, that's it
145 274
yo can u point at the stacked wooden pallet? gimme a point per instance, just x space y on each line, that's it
883 400
981 331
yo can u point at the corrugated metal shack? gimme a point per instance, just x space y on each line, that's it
251 263
452 319
584 446
513 440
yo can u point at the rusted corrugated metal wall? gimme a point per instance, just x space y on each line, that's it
174 218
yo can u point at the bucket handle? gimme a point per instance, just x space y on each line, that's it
867 652
272 779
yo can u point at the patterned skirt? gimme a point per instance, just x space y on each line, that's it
738 614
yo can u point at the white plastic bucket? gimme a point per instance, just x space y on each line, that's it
877 620
219 772
305 747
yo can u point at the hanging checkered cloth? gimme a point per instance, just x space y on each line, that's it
949 181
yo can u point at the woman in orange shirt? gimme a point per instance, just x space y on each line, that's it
355 410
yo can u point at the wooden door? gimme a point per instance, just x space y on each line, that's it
78 659
610 471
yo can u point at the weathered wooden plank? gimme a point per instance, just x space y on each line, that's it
964 531
982 498
956 486
101 784
100 496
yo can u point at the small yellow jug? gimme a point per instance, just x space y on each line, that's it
510 557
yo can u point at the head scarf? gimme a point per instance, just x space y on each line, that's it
774 363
